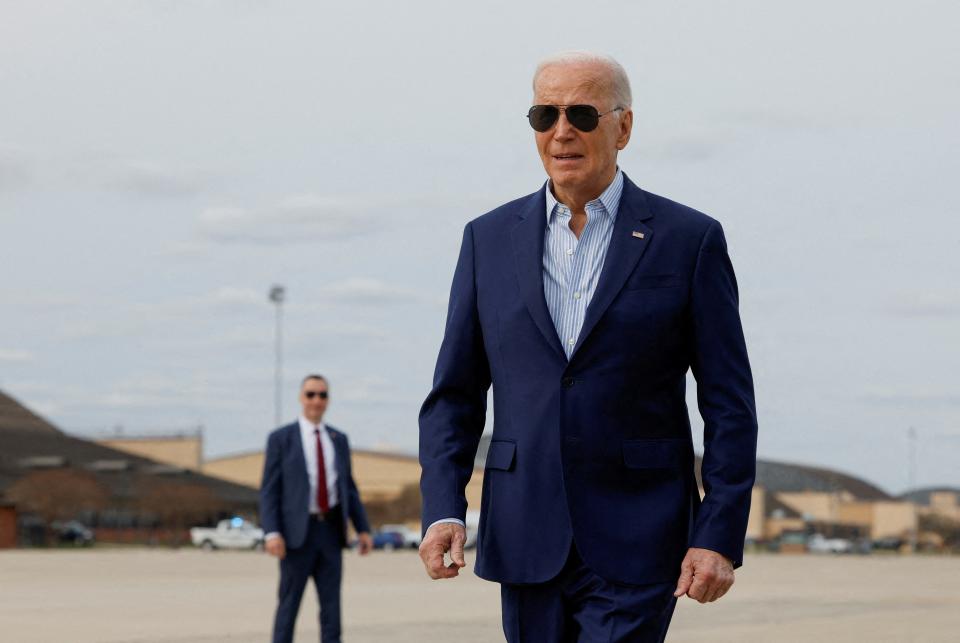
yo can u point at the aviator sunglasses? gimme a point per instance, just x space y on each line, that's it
321 394
584 117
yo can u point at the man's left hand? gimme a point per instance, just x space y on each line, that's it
705 575
364 543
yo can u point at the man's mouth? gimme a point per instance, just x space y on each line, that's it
567 157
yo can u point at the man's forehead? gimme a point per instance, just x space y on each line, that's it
560 82
314 385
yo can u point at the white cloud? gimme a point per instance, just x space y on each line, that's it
369 390
14 172
926 303
296 219
231 295
155 180
15 355
363 290
902 397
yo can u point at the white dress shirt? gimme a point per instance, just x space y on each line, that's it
309 439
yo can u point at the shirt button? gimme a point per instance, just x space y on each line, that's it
567 382
569 251
576 295
571 341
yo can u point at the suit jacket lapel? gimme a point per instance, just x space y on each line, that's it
339 452
624 252
297 447
527 237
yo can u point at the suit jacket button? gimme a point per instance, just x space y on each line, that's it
567 382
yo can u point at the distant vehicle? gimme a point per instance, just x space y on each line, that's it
820 544
73 532
789 542
889 544
234 533
387 540
411 538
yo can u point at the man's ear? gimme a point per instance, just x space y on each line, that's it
626 126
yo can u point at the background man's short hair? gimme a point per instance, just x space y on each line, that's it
314 376
620 83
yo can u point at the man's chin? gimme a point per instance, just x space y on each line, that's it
566 179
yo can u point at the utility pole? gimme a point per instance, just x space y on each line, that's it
277 296
912 482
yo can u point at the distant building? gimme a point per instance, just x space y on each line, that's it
936 501
46 474
184 450
786 498
380 476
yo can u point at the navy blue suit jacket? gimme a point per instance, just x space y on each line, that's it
595 451
285 487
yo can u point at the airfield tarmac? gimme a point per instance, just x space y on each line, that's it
105 595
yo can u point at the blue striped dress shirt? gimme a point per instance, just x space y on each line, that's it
571 266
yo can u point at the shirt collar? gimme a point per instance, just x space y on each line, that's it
609 200
307 427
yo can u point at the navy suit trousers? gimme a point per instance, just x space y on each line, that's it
320 557
577 606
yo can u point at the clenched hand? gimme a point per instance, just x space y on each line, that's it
705 575
276 546
440 539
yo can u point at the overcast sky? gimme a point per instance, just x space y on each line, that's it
163 163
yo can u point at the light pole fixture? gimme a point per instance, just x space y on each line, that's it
277 296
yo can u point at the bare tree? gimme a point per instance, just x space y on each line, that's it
177 505
58 494
403 508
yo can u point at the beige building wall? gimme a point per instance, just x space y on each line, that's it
944 503
818 505
856 513
379 476
757 513
245 468
776 526
382 476
893 519
180 451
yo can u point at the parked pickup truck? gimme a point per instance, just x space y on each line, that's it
235 533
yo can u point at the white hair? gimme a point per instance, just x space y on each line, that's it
619 83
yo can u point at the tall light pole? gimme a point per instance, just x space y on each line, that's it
277 295
912 482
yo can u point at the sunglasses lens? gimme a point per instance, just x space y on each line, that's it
584 117
312 394
542 117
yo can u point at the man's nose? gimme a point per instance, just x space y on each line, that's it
563 130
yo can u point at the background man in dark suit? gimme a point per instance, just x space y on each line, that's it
584 305
306 497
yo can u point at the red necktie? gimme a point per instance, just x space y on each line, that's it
323 501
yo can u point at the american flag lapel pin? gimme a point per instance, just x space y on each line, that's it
637 234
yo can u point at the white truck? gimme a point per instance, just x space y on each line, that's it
234 533
820 544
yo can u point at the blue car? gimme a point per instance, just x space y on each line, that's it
387 540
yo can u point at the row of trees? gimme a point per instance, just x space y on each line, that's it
945 528
160 504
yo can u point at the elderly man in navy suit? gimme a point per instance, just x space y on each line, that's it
306 497
584 305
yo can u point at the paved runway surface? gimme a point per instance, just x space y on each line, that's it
188 596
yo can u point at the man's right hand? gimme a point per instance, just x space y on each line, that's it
276 546
440 539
